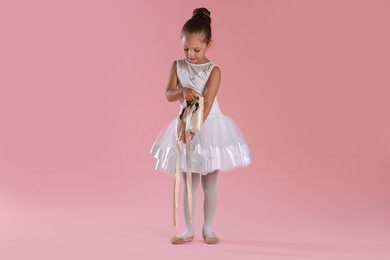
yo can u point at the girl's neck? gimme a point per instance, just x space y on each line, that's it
205 61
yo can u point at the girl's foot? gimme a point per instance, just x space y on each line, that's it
210 238
184 237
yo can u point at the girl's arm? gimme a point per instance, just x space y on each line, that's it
211 90
173 93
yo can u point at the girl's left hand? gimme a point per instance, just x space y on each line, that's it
183 138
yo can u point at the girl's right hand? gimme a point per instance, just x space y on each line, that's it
190 94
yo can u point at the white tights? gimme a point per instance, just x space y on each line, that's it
210 189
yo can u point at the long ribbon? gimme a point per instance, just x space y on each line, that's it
184 120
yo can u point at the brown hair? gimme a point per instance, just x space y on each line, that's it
199 23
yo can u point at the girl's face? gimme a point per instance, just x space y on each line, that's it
194 48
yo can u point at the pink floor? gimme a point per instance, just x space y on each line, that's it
270 219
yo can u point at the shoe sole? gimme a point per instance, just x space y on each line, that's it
181 240
211 240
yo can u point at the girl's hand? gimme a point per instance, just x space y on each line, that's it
190 94
183 138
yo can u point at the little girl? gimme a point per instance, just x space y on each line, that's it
219 145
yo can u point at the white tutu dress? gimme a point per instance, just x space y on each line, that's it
219 145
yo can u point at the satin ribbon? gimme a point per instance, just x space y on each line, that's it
184 127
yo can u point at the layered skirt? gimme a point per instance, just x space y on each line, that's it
219 145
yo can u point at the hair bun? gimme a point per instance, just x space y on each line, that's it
202 13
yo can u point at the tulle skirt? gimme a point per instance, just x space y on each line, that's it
219 145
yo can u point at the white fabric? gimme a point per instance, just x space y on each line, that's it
189 223
210 188
219 145
193 75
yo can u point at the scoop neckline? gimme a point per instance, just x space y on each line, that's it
196 63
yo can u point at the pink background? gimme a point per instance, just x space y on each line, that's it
82 100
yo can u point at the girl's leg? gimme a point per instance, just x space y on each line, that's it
189 227
210 188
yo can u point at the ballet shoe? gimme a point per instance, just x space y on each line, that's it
210 240
181 240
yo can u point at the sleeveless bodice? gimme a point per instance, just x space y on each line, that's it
195 76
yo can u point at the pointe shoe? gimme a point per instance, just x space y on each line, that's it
210 240
181 240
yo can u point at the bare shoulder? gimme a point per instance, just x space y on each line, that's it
213 82
173 69
173 80
215 72
173 65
